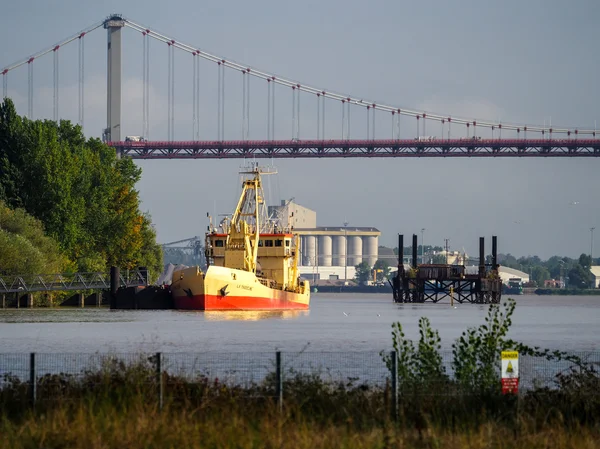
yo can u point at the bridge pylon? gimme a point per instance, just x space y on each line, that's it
112 132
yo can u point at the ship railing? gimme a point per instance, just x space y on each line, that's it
30 283
268 282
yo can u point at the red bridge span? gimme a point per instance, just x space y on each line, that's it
282 149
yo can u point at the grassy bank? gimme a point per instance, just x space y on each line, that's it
118 406
141 427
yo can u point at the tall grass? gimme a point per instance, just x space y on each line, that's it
83 425
117 406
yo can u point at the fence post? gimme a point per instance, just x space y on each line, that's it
279 380
32 380
159 379
394 359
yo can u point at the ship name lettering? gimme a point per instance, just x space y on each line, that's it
245 287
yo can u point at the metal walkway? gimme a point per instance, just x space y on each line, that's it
65 282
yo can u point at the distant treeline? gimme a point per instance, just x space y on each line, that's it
574 272
67 203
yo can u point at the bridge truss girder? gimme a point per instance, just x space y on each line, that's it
359 148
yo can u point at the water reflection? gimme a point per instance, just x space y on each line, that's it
253 315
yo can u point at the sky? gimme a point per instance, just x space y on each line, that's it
523 62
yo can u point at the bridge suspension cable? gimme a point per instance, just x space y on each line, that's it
196 97
55 94
52 49
171 91
62 43
374 107
304 88
81 77
30 89
146 86
355 101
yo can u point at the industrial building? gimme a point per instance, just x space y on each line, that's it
595 269
327 252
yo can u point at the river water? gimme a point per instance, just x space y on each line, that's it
335 322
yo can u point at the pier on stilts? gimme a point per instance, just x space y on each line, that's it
419 283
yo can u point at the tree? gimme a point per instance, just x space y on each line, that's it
539 274
580 277
382 265
84 196
23 246
585 261
363 273
438 259
508 260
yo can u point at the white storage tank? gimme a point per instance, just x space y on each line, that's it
355 250
325 250
370 249
339 251
310 246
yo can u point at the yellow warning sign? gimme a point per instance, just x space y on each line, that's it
510 364
510 355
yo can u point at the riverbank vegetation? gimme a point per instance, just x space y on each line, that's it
456 405
79 193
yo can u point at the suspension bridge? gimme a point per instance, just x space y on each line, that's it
411 133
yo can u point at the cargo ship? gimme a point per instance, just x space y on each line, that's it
252 260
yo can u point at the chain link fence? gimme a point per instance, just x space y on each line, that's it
50 376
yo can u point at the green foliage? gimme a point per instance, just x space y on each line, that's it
580 277
575 271
585 260
421 366
539 274
476 355
79 190
24 248
438 259
363 272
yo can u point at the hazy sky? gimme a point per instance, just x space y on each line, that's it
516 61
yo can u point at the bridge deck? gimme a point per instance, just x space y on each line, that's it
465 147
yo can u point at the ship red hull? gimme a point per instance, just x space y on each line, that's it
283 301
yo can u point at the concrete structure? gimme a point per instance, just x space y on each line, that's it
328 246
453 257
595 269
505 273
509 273
355 250
339 251
319 274
339 246
325 250
291 214
309 250
112 133
370 247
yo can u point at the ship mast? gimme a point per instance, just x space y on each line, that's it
244 235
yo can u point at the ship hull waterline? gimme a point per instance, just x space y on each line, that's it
223 288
